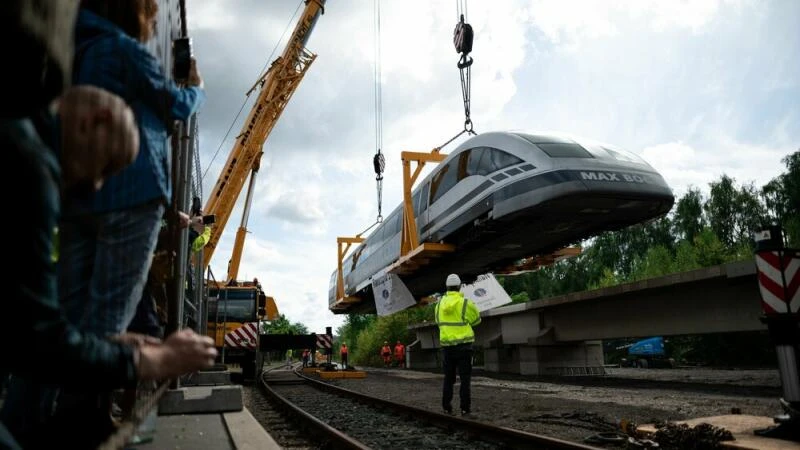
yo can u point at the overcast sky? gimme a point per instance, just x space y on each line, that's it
698 88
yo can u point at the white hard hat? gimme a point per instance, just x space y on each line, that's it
453 280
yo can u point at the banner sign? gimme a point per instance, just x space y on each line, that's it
391 294
486 292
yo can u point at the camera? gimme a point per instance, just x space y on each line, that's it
207 220
181 58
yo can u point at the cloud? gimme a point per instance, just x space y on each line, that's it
676 82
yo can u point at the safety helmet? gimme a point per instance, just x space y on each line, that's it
453 280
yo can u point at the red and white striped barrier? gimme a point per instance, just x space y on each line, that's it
245 336
779 281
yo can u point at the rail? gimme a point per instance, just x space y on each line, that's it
469 433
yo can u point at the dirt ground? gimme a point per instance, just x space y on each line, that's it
574 408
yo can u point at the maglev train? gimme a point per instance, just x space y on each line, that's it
503 196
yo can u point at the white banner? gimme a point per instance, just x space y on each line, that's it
391 294
486 292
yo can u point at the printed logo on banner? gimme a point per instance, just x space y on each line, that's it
391 294
486 292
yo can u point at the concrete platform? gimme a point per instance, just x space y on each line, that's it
217 431
742 427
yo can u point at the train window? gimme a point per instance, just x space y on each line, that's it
622 155
485 160
415 202
444 180
424 198
475 167
562 150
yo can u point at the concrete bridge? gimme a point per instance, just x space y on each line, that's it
564 334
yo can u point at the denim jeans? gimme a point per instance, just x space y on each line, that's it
457 358
103 266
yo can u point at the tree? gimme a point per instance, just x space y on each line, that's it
281 325
688 219
734 214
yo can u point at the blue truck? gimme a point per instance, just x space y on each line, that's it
646 353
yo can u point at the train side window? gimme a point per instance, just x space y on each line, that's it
501 160
476 165
423 199
463 160
445 179
563 150
485 160
415 203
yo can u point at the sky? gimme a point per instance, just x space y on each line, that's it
697 88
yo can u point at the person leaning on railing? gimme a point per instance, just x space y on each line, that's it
40 344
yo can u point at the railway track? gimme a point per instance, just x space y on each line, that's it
303 412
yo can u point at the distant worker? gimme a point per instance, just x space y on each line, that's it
455 316
400 354
289 358
306 355
386 353
343 354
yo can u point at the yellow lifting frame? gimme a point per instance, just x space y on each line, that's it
342 252
409 240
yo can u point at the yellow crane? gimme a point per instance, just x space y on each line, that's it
236 307
276 88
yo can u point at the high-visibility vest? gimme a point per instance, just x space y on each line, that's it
399 351
456 316
386 350
343 350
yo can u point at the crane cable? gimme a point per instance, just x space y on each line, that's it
462 39
378 161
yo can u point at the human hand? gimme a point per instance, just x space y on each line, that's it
183 220
99 135
182 352
194 75
198 225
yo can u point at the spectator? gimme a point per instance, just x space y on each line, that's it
36 35
108 237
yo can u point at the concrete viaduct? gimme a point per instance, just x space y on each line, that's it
563 335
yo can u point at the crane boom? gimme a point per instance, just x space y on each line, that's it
276 88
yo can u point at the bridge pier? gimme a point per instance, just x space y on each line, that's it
571 358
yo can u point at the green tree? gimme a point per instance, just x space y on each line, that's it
281 325
688 218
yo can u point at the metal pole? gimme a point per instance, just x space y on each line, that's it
201 327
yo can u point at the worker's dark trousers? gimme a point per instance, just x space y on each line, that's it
457 358
344 360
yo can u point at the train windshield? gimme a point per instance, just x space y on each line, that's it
563 150
624 155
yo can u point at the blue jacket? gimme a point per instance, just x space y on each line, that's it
108 58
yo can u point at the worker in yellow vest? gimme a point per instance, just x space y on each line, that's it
455 316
